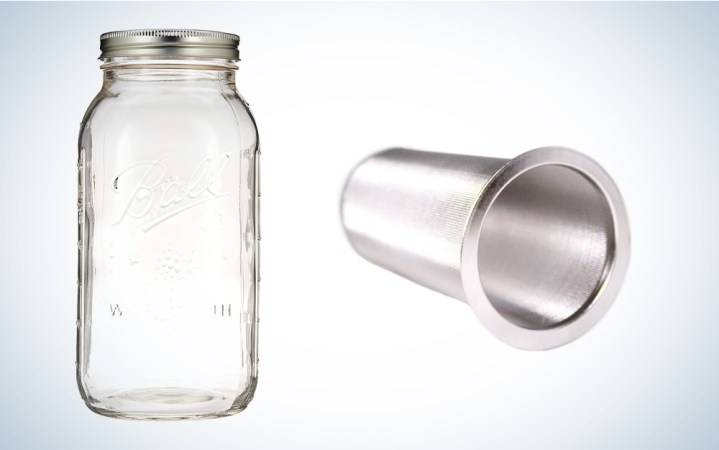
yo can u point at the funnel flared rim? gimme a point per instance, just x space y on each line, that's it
603 297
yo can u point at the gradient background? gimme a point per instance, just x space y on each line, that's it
353 356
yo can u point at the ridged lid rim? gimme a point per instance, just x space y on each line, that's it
170 42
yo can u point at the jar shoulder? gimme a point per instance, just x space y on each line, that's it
218 112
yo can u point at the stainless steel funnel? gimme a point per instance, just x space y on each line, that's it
537 245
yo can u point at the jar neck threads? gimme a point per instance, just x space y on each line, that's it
168 69
140 63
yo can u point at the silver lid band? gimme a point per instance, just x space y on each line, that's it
170 43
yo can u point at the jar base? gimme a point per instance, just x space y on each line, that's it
166 403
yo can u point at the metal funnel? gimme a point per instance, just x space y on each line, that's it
537 245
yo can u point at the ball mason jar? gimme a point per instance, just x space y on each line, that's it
168 230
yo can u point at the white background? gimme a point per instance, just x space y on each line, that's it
351 355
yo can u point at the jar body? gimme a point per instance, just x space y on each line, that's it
168 251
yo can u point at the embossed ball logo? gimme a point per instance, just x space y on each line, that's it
152 194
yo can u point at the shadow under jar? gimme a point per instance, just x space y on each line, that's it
168 230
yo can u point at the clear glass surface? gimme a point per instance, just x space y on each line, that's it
168 242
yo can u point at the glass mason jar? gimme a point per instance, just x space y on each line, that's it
168 230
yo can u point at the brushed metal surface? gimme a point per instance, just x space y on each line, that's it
536 245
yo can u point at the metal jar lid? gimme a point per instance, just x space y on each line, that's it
170 43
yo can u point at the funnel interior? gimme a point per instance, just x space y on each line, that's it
545 246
